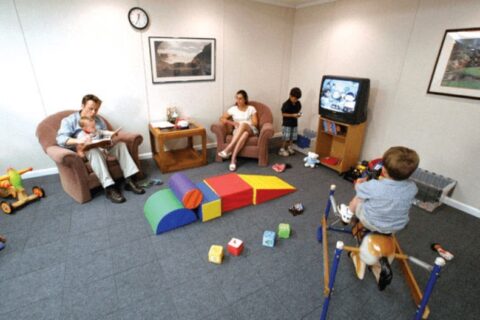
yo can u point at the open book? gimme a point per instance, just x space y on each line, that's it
101 143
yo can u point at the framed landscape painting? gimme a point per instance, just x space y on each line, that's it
457 69
182 59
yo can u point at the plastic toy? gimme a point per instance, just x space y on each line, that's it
11 185
268 239
376 251
311 160
151 182
235 247
441 251
284 230
369 169
296 209
215 254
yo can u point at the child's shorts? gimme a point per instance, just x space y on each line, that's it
289 133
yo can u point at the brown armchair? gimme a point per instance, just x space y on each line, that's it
255 147
76 175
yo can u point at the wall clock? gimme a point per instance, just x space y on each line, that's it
138 18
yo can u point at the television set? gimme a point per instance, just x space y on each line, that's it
344 99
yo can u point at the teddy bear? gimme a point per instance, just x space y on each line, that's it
311 160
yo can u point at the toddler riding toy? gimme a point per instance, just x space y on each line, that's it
375 251
11 185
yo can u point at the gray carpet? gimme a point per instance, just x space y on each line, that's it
101 260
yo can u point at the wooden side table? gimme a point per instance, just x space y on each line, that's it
174 160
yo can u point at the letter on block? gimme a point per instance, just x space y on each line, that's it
235 247
215 255
269 239
284 230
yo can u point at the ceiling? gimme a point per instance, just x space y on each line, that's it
295 3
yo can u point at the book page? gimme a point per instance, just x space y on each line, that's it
98 143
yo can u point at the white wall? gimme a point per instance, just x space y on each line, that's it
54 52
257 53
395 44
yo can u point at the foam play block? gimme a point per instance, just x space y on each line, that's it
211 206
215 254
284 230
268 239
235 247
266 188
185 190
165 212
233 191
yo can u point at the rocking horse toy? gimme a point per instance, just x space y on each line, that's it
11 185
377 251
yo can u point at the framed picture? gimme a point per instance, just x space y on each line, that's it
182 59
457 69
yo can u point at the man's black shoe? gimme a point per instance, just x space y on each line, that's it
114 195
130 185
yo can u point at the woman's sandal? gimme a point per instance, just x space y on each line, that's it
232 167
224 155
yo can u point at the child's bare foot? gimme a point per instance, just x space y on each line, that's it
3 239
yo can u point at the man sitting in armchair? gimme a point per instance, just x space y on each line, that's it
68 137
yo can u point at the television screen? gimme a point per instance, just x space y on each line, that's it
344 99
339 95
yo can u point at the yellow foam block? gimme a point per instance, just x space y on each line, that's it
211 206
211 210
266 187
215 254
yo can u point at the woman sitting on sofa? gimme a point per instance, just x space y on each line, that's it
243 118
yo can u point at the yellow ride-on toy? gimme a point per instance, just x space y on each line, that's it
11 185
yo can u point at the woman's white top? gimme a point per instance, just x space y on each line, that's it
243 116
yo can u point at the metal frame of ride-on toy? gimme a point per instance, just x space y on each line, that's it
420 299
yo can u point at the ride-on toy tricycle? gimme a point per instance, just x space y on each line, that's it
11 185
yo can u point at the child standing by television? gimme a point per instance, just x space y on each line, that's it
290 113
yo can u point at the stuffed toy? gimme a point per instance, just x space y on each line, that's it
311 160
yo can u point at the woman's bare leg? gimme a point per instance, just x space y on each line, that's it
236 136
241 142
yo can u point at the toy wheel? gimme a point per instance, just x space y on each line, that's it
319 234
6 207
38 192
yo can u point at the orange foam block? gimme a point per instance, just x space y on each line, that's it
266 188
233 191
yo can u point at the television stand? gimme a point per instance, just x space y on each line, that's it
339 144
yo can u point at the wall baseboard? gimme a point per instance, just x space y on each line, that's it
148 155
40 173
145 156
461 206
